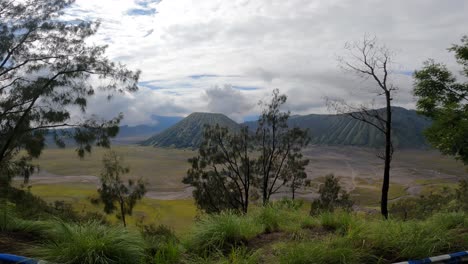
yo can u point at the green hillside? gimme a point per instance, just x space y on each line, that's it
188 133
344 130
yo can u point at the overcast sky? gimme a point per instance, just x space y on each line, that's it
226 55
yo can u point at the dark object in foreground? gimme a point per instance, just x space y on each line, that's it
10 259
454 258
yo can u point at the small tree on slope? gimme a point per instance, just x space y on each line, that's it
115 194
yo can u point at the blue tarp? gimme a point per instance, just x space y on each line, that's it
13 259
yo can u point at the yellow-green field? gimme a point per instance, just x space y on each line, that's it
413 173
178 214
162 168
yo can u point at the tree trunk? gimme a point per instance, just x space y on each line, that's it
122 212
388 158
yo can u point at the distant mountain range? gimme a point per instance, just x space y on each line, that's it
188 133
408 129
179 132
132 134
324 130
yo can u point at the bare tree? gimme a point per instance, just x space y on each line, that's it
369 60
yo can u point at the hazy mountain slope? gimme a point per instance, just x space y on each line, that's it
344 130
131 134
188 133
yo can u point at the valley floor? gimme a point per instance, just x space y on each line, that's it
64 176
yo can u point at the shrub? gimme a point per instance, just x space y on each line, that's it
161 242
9 222
340 222
394 240
220 232
90 243
283 215
331 197
168 253
318 252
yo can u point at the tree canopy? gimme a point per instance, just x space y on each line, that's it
231 167
47 70
444 98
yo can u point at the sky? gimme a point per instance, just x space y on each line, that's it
225 56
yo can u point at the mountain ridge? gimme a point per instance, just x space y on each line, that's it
188 133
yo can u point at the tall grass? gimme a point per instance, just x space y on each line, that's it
221 232
90 243
9 222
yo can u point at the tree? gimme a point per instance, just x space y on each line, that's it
278 145
331 197
47 69
223 172
445 100
368 59
114 191
294 173
229 165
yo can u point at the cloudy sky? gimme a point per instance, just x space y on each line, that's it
226 55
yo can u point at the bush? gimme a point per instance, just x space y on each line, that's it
221 232
161 243
283 215
9 222
319 252
90 243
168 253
341 222
331 197
396 241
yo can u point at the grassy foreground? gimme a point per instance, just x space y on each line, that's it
279 233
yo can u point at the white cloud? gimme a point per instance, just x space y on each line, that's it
291 45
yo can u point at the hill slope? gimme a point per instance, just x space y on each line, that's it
188 133
344 130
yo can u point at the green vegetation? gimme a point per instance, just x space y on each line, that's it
92 242
445 99
162 168
114 192
283 232
331 197
233 167
188 133
36 39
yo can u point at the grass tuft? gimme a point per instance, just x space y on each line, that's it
90 243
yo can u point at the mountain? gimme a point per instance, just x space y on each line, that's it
134 134
188 133
130 134
344 130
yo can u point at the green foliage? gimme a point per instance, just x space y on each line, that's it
114 191
221 232
162 245
443 98
10 222
241 255
284 215
45 70
279 147
424 206
223 173
168 253
229 164
394 240
331 197
90 243
316 252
